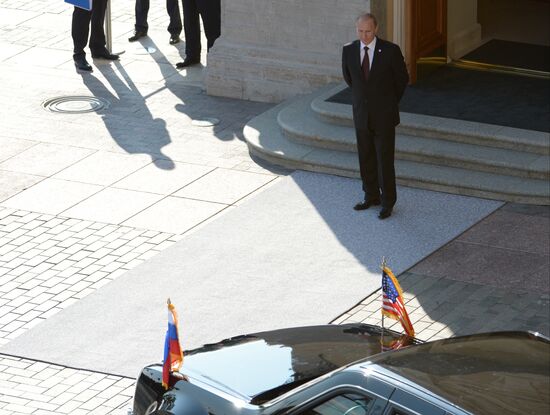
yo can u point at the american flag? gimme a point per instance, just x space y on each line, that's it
393 305
394 344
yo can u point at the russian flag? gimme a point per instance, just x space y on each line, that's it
173 355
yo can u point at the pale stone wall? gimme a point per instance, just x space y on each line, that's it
463 29
271 50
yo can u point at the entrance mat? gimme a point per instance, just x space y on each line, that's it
296 254
486 97
512 54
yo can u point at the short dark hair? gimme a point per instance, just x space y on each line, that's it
367 16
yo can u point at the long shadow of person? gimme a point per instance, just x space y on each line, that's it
128 119
187 86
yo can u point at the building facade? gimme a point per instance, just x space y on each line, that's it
272 50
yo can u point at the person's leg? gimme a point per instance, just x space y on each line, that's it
97 36
385 155
80 29
191 27
368 164
142 10
210 11
173 9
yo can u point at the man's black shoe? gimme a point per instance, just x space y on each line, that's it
187 62
138 34
174 39
82 65
105 55
365 204
384 213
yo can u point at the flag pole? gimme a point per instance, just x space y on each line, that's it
108 28
382 267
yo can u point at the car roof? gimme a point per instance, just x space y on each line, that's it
494 373
262 366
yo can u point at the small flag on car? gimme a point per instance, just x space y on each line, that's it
393 304
173 355
392 344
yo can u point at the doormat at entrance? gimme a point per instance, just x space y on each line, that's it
512 54
490 98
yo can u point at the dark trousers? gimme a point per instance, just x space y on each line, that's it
210 11
173 9
376 150
81 29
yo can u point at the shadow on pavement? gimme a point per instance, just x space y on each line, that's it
149 136
198 106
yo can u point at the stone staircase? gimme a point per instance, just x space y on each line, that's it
447 155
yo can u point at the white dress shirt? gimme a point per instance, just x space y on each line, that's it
371 46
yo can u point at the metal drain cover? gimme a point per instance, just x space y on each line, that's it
205 122
144 50
75 104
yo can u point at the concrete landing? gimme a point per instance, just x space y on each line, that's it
296 254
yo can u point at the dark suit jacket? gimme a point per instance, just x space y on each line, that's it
378 98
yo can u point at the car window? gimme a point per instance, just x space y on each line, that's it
347 404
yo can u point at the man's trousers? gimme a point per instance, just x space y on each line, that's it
172 8
81 29
210 11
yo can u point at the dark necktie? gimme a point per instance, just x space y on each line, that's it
366 64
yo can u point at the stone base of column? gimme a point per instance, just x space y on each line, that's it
270 51
259 74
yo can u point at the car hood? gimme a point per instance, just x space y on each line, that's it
260 366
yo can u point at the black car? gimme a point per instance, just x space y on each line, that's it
344 370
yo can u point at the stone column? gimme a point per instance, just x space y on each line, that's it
272 50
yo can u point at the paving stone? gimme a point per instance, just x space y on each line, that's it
37 367
13 400
61 397
16 408
68 407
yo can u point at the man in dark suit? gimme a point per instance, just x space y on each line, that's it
210 12
80 30
376 72
141 26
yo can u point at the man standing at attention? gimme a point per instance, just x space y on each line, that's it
210 11
80 30
141 26
375 71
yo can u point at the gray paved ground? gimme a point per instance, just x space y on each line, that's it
260 253
83 198
495 276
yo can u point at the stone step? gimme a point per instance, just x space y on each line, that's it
299 123
442 128
266 140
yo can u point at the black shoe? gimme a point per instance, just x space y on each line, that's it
105 55
174 39
384 213
138 34
82 65
188 62
365 204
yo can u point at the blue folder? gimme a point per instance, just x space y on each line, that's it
83 4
